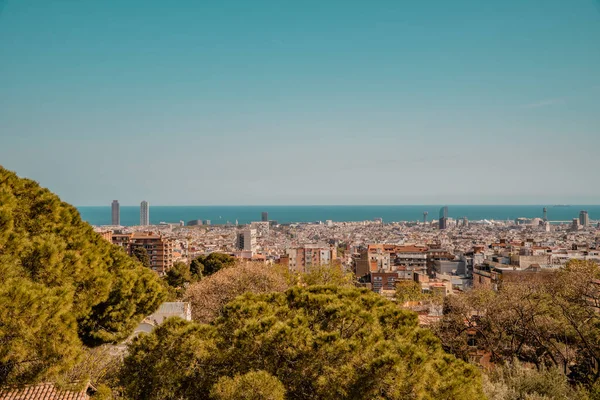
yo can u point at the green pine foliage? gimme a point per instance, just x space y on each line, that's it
141 254
61 284
320 342
207 265
255 385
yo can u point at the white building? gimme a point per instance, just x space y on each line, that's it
246 240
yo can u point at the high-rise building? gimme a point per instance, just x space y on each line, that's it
575 225
545 214
116 213
425 213
443 218
144 213
158 247
246 240
264 216
584 219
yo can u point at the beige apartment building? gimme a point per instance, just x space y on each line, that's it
159 248
381 258
300 259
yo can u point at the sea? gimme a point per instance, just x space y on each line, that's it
130 215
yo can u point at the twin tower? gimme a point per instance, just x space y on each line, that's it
144 213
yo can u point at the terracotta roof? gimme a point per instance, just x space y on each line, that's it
411 249
43 391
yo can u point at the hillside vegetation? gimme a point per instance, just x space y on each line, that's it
61 285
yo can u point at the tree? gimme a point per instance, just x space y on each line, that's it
322 342
409 291
548 323
325 274
513 381
210 295
254 385
141 254
204 266
62 284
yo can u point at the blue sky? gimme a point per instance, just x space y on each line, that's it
312 102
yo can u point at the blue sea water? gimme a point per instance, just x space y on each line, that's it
130 215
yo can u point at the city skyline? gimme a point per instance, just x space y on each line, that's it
457 102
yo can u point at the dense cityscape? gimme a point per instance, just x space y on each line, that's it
458 254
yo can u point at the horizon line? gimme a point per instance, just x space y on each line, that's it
351 205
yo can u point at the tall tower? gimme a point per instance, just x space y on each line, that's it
425 213
144 213
584 219
116 213
545 214
443 218
264 216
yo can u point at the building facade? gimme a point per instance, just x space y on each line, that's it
158 247
246 240
402 261
443 221
301 259
584 219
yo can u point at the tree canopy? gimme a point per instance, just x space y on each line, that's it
141 254
548 323
254 385
209 296
320 342
62 284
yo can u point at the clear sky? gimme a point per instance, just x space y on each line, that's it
303 102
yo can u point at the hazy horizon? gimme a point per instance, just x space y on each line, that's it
337 102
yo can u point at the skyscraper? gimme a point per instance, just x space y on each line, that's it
443 218
144 213
116 214
584 219
265 216
545 214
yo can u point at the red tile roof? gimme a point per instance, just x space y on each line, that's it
43 391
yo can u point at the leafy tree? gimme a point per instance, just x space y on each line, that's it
210 295
320 342
203 266
254 385
62 284
409 291
548 323
513 381
325 274
141 254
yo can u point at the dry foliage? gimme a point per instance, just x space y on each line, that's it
209 295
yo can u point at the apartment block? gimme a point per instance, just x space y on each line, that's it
391 258
300 259
158 247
